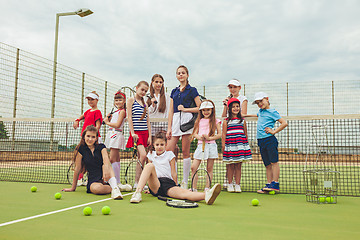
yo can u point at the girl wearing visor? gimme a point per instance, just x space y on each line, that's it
207 128
91 117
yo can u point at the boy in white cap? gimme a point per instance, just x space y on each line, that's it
267 141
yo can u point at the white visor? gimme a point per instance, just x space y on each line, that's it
234 82
206 104
92 95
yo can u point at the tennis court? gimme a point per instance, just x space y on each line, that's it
283 216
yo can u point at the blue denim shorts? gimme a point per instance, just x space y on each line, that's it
269 150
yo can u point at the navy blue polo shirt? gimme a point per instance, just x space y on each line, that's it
185 98
93 162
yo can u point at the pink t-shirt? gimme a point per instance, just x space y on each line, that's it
204 128
90 118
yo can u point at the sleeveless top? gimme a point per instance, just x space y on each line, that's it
137 111
115 118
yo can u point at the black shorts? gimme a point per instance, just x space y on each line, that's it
165 185
91 182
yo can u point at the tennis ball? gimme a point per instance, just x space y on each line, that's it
322 199
58 196
105 210
329 199
255 202
87 211
33 189
272 192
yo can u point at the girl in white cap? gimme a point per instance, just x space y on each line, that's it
115 138
93 117
234 89
207 128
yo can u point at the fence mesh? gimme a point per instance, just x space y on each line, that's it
30 152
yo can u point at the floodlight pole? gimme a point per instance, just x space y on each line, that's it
83 12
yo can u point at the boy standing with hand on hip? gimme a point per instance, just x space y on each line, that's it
267 141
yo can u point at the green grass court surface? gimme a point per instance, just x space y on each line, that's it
281 216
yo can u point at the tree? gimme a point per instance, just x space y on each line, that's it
3 131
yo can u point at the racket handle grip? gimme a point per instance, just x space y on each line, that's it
203 145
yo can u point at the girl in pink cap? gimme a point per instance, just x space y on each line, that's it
235 145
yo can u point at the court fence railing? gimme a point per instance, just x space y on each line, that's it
41 150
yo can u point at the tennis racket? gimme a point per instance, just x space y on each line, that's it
111 113
130 171
201 178
70 175
178 203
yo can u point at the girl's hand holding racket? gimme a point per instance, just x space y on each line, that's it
153 102
135 137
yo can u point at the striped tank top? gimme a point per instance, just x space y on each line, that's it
137 111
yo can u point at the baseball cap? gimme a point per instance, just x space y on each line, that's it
231 100
206 104
259 96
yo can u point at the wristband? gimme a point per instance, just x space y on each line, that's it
78 120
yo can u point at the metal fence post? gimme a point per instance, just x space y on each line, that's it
15 97
82 93
104 127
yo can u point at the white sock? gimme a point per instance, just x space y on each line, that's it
187 167
112 182
116 168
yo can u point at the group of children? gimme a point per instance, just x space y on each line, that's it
179 108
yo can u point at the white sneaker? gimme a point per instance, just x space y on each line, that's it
237 188
84 183
184 185
116 194
206 189
136 197
79 182
212 194
125 187
230 188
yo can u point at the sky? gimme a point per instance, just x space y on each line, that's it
253 41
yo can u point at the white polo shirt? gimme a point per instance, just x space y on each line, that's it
162 163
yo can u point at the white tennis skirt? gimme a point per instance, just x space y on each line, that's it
210 151
175 127
115 139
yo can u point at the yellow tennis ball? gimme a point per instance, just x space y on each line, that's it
272 192
255 202
33 189
329 199
58 196
87 211
105 210
322 199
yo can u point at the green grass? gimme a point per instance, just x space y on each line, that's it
282 216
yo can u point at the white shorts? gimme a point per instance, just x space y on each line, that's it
175 127
210 151
115 139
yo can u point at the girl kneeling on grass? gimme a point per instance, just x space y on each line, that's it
94 158
161 176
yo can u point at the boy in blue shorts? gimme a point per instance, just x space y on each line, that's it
267 141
